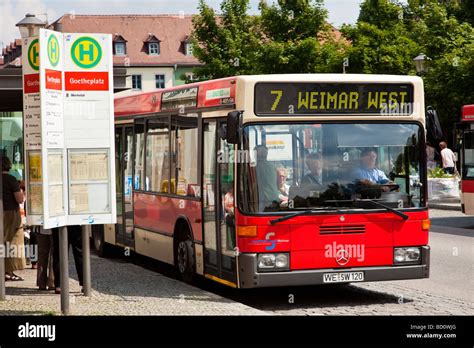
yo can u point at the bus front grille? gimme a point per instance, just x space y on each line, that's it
342 229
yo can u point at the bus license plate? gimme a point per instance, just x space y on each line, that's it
343 277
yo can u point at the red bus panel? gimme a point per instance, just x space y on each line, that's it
159 213
468 113
313 241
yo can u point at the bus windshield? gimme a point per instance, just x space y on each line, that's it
285 167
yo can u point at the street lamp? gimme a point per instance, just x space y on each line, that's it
30 26
421 63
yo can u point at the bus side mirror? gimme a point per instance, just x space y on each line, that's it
433 125
233 127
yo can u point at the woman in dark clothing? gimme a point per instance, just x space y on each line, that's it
12 197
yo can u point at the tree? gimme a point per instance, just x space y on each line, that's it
388 35
450 45
380 43
227 44
297 39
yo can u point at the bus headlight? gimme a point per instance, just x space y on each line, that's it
273 262
408 254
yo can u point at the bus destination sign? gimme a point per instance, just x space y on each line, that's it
287 98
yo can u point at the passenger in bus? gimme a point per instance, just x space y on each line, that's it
368 173
229 217
283 187
267 179
313 178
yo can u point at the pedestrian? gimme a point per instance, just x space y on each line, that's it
447 156
12 198
44 277
74 237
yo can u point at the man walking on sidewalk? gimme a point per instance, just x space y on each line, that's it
447 157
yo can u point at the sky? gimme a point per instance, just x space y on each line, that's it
12 11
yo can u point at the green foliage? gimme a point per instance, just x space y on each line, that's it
389 34
438 173
380 40
286 38
227 45
450 45
297 39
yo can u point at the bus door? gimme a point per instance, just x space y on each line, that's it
218 206
123 150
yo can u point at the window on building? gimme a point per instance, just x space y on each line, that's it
185 130
154 48
189 76
158 157
160 81
137 82
119 48
188 48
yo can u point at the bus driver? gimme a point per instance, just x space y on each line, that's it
368 173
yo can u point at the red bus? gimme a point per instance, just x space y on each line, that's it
467 160
275 180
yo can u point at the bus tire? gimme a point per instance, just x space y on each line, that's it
185 259
101 247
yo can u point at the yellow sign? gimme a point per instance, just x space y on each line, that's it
35 167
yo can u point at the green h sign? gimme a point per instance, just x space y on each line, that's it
86 52
53 50
33 54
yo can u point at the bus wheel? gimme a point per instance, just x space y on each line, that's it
185 259
100 245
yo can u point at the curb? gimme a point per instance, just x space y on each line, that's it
448 206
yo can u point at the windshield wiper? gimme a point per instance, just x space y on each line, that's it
396 212
300 213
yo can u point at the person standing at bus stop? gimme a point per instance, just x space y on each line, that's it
12 198
74 237
447 156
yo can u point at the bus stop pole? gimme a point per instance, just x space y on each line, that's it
64 269
86 260
2 258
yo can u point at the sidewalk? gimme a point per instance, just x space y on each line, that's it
119 288
445 204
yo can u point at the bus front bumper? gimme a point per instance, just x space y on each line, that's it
251 278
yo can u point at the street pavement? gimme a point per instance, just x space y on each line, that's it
448 291
121 287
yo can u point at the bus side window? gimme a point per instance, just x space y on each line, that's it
158 156
139 149
186 156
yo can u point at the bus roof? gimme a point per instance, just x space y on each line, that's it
467 113
200 94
